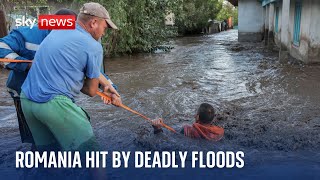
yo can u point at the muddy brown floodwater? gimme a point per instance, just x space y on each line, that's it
269 110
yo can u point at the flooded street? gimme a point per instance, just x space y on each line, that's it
269 110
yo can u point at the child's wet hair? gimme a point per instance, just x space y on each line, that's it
206 113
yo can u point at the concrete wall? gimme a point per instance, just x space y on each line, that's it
266 18
255 20
277 34
285 22
283 37
266 23
250 23
314 34
308 50
269 24
271 16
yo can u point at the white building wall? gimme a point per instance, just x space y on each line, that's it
305 30
285 21
280 18
251 22
315 24
266 17
309 48
291 20
277 34
255 19
271 17
301 52
314 32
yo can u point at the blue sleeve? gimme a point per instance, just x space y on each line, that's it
10 47
93 65
107 77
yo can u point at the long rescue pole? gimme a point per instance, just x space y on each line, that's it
100 94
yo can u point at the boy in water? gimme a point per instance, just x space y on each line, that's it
201 128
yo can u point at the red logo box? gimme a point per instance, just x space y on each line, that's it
51 22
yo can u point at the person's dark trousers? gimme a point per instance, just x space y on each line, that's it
25 133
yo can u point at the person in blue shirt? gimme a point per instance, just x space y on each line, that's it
62 68
22 44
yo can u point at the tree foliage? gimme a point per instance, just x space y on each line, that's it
10 4
228 10
194 14
142 22
235 17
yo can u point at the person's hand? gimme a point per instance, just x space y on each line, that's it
113 94
157 122
109 90
116 100
106 100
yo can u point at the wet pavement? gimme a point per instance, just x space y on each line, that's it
269 110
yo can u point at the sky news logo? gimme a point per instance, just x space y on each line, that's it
49 22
